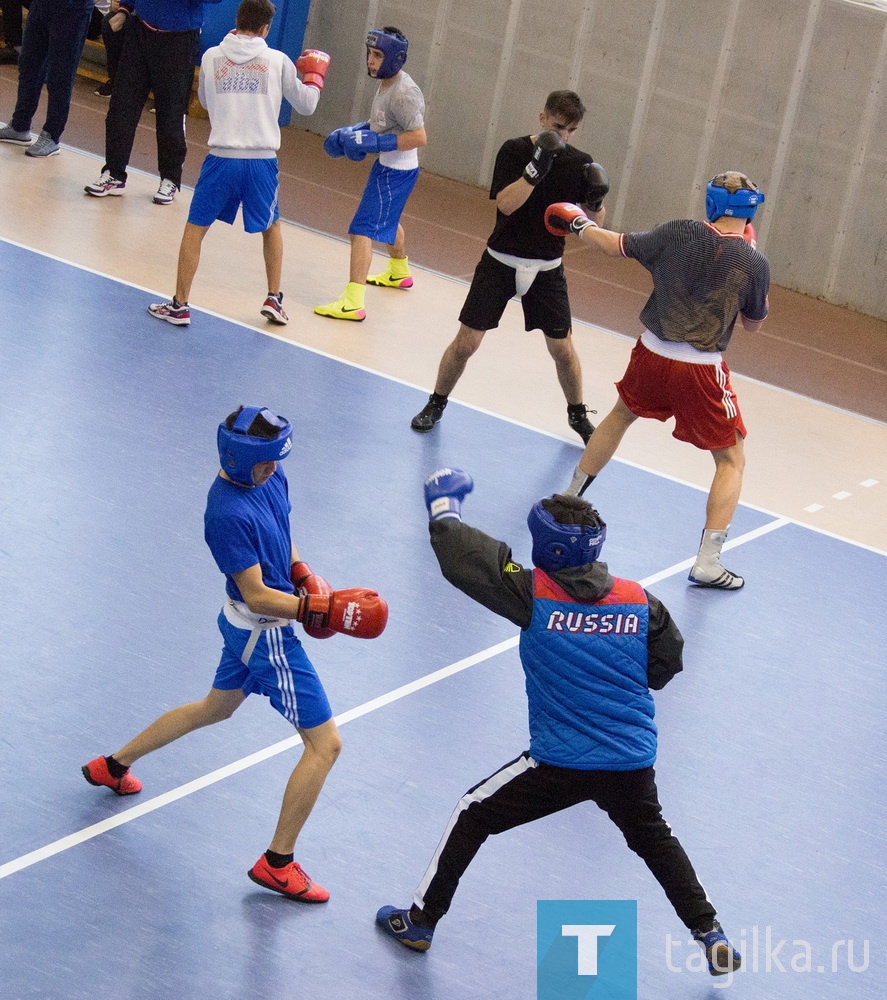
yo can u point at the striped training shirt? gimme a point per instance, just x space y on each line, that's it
702 280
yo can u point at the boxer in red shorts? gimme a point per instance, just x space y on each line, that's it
705 275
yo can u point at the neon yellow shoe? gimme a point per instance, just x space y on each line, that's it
350 306
396 275
341 310
387 280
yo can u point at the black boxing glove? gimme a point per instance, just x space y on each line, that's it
597 184
547 146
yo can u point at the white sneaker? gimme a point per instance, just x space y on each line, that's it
105 185
165 193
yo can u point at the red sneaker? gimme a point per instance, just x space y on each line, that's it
96 773
290 881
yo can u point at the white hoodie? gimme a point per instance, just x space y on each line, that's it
242 85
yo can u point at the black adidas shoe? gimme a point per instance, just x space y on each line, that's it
715 576
577 416
425 420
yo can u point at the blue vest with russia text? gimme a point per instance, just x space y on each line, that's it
586 673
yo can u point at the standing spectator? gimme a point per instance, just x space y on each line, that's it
51 48
242 85
523 258
396 130
705 275
159 54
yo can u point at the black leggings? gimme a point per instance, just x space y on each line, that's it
525 790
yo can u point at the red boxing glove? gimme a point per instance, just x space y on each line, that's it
750 236
563 218
306 582
313 64
358 612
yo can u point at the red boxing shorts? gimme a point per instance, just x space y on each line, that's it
698 396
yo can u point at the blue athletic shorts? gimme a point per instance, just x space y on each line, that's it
383 201
278 668
226 184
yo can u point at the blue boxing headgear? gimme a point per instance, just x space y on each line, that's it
733 194
393 45
239 450
557 545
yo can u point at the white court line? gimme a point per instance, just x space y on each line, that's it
167 798
471 406
749 536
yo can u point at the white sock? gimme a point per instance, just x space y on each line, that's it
578 484
710 546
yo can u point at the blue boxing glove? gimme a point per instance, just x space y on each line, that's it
358 143
444 492
334 146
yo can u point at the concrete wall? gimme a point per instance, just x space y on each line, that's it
793 92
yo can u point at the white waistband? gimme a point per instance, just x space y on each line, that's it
677 351
525 268
400 159
236 153
240 616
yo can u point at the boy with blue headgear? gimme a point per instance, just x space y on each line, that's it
246 526
705 276
591 647
395 131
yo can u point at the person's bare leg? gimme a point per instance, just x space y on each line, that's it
569 375
723 498
398 248
455 358
361 258
568 367
601 448
397 271
189 259
215 707
726 486
272 251
322 747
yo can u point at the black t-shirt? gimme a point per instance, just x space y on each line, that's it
523 233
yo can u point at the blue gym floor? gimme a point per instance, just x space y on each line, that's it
771 765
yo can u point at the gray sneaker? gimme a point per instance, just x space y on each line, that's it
9 134
44 146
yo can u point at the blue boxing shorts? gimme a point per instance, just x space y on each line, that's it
384 198
227 183
272 662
